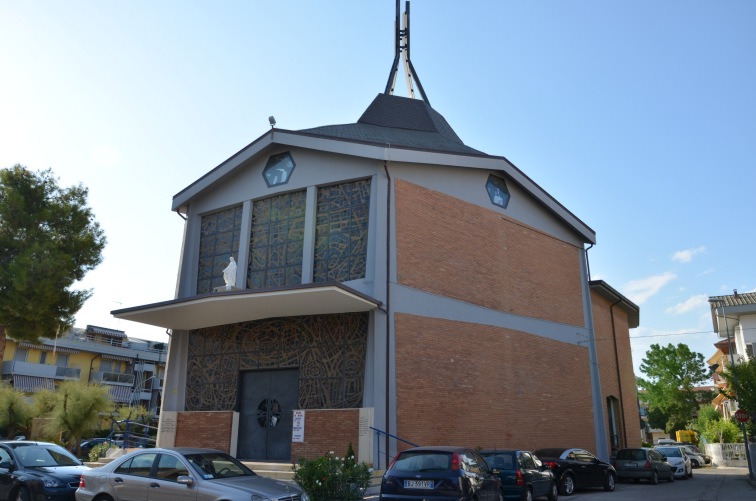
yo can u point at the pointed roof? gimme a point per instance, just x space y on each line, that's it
402 122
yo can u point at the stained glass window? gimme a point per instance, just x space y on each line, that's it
219 240
497 191
277 241
341 230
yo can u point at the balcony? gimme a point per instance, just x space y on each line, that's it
13 367
112 378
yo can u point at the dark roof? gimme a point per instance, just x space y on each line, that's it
402 122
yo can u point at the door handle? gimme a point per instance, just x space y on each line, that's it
154 484
118 480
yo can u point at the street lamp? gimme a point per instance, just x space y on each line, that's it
735 375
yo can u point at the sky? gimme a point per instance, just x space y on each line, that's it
638 116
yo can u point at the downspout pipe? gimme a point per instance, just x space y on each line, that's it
388 304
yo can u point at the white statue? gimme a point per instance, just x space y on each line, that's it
229 273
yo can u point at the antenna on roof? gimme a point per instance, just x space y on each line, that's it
402 44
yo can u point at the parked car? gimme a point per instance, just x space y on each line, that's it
523 476
176 472
706 457
87 445
676 457
577 469
696 459
38 470
453 473
642 464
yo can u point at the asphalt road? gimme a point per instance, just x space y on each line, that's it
707 484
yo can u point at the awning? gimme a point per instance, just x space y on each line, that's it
231 307
117 357
120 393
32 383
47 347
105 331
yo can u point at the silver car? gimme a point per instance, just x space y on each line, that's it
678 459
181 473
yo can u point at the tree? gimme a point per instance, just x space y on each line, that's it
741 381
78 409
15 412
49 239
671 373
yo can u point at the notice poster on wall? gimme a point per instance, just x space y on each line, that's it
297 431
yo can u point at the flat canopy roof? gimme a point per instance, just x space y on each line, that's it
229 307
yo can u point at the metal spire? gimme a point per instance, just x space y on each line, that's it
402 44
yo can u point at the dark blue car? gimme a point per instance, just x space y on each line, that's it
38 470
523 476
440 473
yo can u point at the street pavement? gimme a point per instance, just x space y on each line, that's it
707 484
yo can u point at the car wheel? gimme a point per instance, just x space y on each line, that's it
610 482
567 485
694 464
22 494
671 476
527 495
654 478
553 492
690 475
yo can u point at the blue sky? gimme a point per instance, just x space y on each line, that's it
638 116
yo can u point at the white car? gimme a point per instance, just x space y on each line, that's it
678 459
696 459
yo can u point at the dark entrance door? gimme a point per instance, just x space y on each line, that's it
267 399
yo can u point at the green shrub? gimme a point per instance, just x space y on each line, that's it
99 451
330 477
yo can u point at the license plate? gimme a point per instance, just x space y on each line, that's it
631 465
418 484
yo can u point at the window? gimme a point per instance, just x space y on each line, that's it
497 191
277 241
527 461
61 360
170 468
106 366
42 357
139 466
20 355
219 240
341 229
278 169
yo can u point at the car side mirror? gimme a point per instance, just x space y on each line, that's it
6 465
185 480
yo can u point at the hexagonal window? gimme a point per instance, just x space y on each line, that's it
497 191
278 169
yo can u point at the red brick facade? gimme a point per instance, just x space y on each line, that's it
460 250
328 430
205 429
608 339
484 386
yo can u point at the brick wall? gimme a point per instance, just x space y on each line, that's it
328 430
204 429
476 385
609 362
460 250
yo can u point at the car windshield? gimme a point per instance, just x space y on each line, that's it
500 460
213 465
423 461
631 454
670 452
44 456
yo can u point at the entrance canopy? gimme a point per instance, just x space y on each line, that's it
229 307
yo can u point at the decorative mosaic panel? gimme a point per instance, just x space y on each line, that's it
341 231
219 240
328 350
277 241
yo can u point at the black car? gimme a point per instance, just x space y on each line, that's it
523 476
578 469
454 473
38 470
